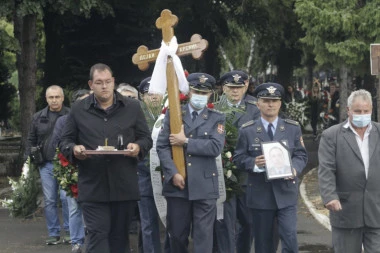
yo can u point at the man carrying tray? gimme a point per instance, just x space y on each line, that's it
108 188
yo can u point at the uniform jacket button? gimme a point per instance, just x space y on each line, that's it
189 164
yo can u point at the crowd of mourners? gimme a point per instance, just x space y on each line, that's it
269 154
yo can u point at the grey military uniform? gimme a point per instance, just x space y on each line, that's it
266 199
196 203
272 194
205 144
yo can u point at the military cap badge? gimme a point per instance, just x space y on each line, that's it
236 77
202 79
271 90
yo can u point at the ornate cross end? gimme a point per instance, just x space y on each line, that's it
166 22
202 45
142 57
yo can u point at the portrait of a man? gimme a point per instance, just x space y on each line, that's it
277 161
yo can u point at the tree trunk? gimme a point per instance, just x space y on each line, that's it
225 57
284 64
250 57
25 32
53 53
343 93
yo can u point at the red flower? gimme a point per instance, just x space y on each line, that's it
186 73
164 110
62 160
183 97
210 105
74 190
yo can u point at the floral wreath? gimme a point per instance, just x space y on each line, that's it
66 174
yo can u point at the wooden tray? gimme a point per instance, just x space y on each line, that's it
106 152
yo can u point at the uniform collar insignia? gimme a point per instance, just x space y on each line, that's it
271 89
282 128
259 129
204 116
202 79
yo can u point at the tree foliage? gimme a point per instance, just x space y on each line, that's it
339 31
25 15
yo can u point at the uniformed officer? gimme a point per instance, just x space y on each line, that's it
245 78
278 197
234 87
149 219
191 201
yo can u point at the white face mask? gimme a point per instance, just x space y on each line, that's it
198 101
361 120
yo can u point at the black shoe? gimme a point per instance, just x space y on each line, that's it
53 240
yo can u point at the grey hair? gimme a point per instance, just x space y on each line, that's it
127 87
363 94
54 87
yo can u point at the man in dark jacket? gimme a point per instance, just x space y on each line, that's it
40 135
108 188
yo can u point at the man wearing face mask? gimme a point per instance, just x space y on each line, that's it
349 177
191 201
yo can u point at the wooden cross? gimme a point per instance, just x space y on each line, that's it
143 57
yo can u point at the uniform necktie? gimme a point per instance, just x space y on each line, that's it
270 132
195 114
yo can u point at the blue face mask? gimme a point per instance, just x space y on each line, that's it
361 120
198 101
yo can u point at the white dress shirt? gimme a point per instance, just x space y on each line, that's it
363 144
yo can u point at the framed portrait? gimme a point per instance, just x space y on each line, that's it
278 160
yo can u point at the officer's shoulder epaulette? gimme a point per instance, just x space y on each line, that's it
293 122
252 102
249 123
214 110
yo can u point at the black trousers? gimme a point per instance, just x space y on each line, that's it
107 224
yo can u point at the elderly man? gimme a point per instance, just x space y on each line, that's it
349 177
268 199
40 135
127 90
191 201
108 188
234 87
